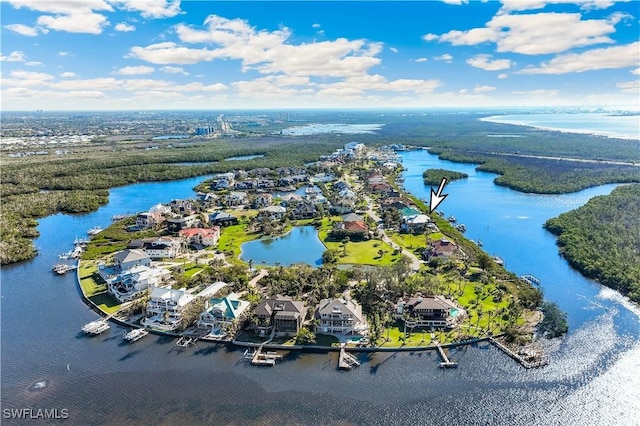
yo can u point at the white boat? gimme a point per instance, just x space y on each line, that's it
65 256
94 231
135 334
80 242
95 327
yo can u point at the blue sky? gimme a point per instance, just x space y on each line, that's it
162 54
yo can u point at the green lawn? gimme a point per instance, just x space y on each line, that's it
95 289
408 241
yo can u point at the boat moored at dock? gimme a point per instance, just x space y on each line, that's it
134 335
63 268
95 327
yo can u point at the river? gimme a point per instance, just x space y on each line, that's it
593 377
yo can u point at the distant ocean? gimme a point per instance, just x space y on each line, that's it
602 124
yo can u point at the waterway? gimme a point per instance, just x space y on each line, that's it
593 378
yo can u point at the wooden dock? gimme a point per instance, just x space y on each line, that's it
258 357
539 362
346 361
446 362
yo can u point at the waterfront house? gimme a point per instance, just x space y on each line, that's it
161 247
340 316
272 212
281 315
441 248
235 198
146 220
417 224
290 199
342 206
304 211
205 237
428 311
133 283
176 224
128 258
165 308
223 219
263 199
223 313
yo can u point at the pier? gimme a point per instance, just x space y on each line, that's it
62 268
258 357
538 359
346 361
134 335
446 362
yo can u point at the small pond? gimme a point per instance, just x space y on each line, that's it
300 245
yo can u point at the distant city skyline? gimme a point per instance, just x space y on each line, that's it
140 55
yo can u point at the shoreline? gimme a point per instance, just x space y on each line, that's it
500 119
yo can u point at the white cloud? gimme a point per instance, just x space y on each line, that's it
629 86
520 5
174 70
15 56
393 49
65 7
64 53
170 53
124 27
503 75
636 71
483 89
316 25
446 57
22 29
484 62
421 60
75 16
455 2
33 63
137 70
534 34
264 51
68 74
539 93
82 21
595 59
151 8
21 78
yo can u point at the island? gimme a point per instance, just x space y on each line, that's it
435 176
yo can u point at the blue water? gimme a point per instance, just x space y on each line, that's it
300 245
618 126
593 377
244 157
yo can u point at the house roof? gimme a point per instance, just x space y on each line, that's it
274 209
443 246
222 216
352 217
420 219
212 289
356 226
131 255
431 302
280 304
229 306
409 211
340 306
180 297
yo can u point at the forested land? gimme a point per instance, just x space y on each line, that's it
434 176
602 239
41 185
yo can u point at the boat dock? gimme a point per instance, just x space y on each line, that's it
185 341
346 361
530 279
446 362
96 327
258 357
63 268
532 361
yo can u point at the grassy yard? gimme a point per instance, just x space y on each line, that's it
232 237
95 289
408 241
